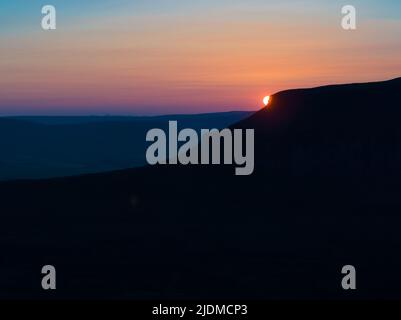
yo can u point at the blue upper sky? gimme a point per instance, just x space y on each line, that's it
20 13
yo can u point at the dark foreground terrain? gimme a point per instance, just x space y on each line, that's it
326 192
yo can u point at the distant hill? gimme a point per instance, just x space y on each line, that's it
326 192
217 118
43 147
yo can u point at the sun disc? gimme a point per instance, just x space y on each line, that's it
266 100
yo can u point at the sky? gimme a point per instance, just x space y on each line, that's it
144 57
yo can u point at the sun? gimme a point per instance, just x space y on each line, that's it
266 100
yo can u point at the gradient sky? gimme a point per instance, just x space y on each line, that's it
176 56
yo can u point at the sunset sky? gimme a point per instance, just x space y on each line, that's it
175 56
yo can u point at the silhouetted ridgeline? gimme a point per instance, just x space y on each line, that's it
333 130
326 192
43 147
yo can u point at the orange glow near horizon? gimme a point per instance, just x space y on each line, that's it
189 62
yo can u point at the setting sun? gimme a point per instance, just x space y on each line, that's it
266 100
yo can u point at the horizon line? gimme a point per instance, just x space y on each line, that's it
126 115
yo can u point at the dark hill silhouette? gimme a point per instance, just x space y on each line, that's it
45 147
325 193
349 129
